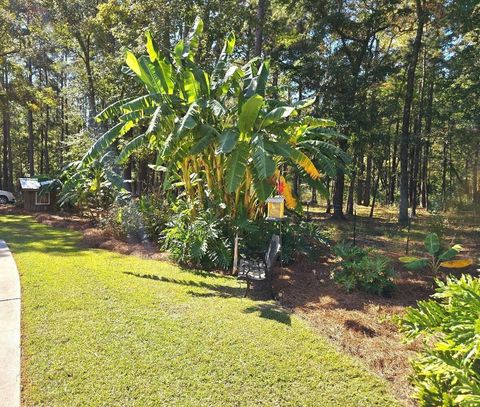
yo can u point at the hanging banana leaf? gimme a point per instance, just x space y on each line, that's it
249 114
432 243
105 141
227 141
236 165
263 163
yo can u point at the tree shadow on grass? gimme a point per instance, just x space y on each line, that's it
218 290
270 311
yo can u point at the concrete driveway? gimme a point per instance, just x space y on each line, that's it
9 329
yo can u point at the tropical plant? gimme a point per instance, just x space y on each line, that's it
217 134
446 371
125 220
201 240
437 257
155 215
92 187
363 269
299 238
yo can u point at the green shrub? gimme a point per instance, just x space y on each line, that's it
124 220
156 214
437 223
198 237
298 238
447 370
363 269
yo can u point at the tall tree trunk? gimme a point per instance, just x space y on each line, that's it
475 191
375 190
405 139
393 171
418 141
339 189
360 178
31 136
46 129
351 188
86 56
426 152
444 173
368 181
261 11
45 140
7 156
127 175
6 136
328 208
314 199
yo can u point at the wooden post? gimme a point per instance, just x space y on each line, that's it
235 255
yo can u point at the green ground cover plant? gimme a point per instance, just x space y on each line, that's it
363 269
101 328
446 372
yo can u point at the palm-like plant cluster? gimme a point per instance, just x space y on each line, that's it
218 137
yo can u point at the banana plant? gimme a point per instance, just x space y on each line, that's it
437 258
217 134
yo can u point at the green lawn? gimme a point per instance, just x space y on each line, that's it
105 329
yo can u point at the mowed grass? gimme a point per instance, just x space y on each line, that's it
102 329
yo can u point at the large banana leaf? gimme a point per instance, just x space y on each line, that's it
221 65
131 147
432 243
236 165
112 111
450 253
249 114
105 141
207 135
227 141
276 115
257 84
263 163
297 157
263 188
187 123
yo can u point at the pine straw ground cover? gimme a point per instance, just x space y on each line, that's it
100 328
361 324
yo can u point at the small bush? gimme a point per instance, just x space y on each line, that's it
124 220
298 238
155 214
363 269
198 238
447 370
437 223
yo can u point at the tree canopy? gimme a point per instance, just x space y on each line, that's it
399 79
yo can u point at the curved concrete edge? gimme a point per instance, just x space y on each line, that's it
10 309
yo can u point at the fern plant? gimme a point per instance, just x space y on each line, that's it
197 237
447 370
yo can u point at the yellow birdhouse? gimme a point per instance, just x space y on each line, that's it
276 208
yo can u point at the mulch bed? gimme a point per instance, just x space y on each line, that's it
358 323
